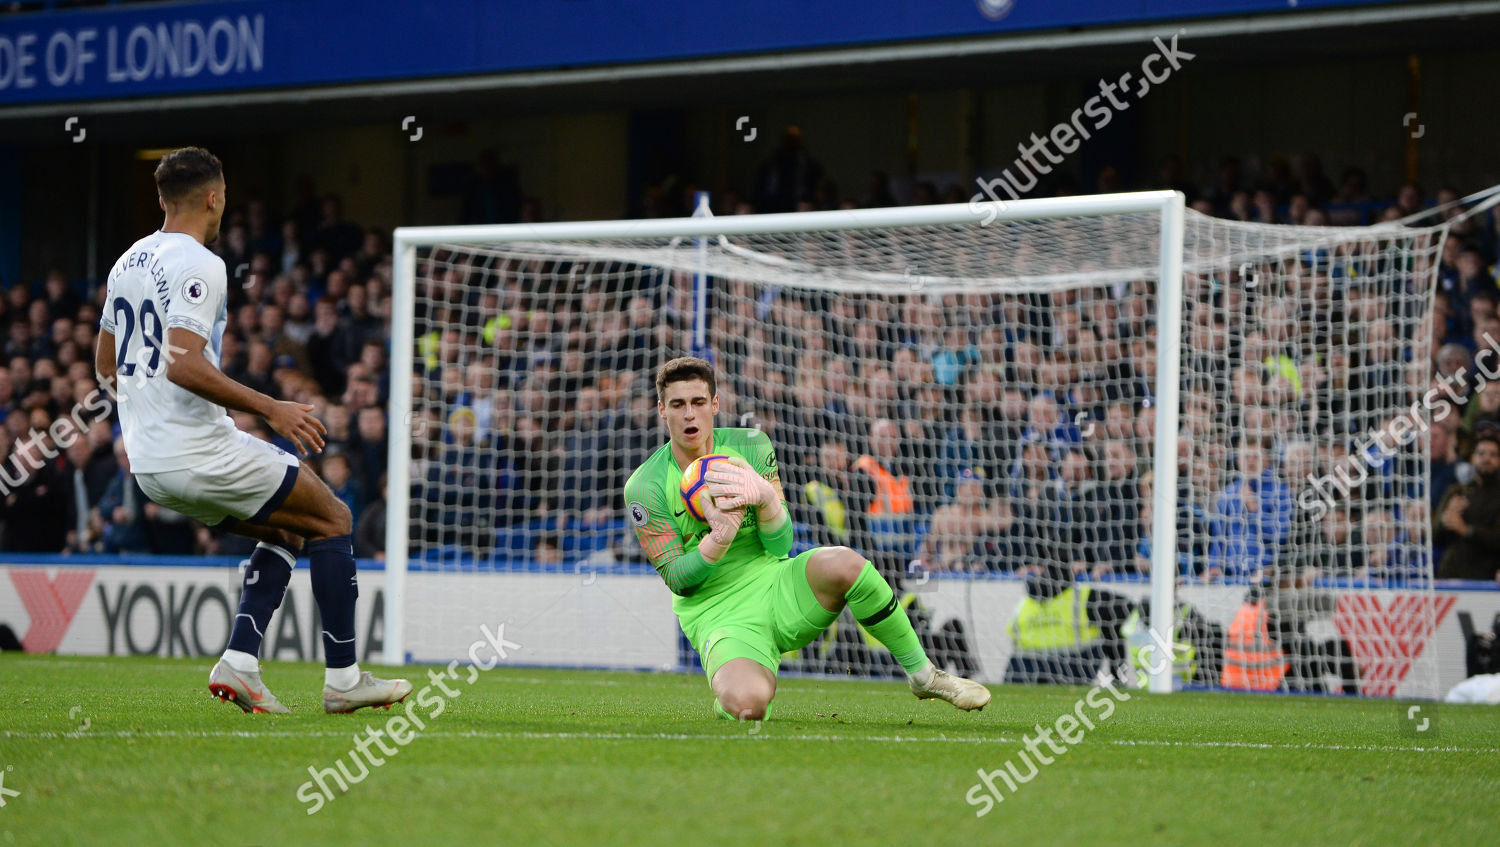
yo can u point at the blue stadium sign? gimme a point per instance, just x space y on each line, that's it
237 45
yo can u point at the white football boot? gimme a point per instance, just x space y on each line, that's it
933 683
244 689
369 691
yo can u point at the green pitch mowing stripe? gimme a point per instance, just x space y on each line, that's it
135 751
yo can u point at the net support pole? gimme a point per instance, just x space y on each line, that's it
1164 496
398 438
701 209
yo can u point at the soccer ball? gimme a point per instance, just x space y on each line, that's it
694 484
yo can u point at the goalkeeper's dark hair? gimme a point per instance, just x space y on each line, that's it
183 171
685 369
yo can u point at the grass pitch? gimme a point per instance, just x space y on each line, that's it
135 751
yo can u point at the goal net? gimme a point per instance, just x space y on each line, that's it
1003 409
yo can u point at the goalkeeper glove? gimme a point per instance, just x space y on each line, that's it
723 525
741 487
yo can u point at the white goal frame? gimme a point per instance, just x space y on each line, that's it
1168 205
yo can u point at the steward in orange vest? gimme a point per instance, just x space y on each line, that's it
888 520
1252 661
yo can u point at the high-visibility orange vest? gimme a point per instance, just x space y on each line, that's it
1251 660
892 493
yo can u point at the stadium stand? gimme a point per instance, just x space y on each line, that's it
310 301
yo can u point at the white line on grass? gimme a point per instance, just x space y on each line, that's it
734 736
536 680
80 662
178 665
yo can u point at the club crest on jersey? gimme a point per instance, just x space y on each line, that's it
194 291
638 514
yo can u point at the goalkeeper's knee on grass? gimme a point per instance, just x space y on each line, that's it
747 713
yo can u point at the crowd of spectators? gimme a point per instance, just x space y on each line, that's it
308 310
1021 426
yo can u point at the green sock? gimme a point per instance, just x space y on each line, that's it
874 606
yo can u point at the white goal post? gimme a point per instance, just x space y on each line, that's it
1169 205
1262 343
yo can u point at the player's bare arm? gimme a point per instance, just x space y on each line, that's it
189 369
104 360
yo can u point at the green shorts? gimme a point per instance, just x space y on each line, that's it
775 613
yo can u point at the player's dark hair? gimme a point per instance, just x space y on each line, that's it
1486 433
684 369
185 170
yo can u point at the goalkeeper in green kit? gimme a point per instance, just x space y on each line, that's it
741 602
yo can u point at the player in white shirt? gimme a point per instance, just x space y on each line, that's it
159 346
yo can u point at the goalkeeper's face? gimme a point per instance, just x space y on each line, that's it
689 410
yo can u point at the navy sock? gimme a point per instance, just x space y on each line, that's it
331 562
265 583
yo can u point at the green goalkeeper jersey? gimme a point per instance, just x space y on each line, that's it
670 536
